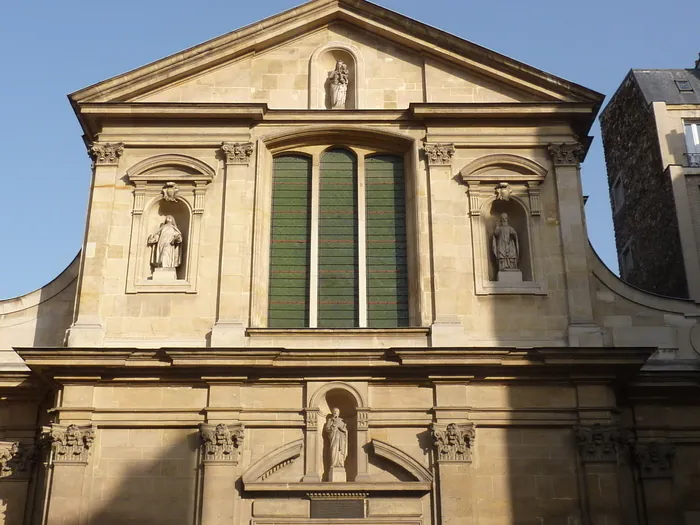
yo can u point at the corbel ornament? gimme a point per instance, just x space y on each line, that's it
567 153
533 191
71 443
654 458
221 443
439 154
362 419
454 442
237 152
169 192
16 460
598 443
311 417
105 153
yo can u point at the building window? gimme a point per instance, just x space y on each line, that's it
617 194
626 260
692 141
684 85
338 255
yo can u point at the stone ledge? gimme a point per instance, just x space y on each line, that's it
373 332
384 487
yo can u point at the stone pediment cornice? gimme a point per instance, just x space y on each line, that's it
318 13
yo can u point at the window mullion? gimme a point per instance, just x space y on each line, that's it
313 270
361 242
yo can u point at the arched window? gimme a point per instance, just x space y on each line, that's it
338 256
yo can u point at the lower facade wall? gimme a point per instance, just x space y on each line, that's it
532 464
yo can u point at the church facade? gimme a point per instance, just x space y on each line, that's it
336 270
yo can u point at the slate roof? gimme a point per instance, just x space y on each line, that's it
658 85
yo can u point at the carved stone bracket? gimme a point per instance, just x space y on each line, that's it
17 460
362 419
170 191
598 443
311 417
71 443
654 458
566 154
439 154
104 154
454 442
237 152
221 442
533 190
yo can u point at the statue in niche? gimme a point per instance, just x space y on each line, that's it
339 80
337 431
505 245
166 245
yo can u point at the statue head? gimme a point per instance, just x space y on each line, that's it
336 412
503 219
169 219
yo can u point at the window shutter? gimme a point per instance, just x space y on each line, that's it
387 270
290 242
337 241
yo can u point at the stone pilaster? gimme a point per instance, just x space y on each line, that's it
598 447
221 445
237 227
453 444
70 453
312 436
361 443
87 330
654 461
566 159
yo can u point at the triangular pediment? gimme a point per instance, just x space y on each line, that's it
278 62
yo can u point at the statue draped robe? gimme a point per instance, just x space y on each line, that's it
338 437
505 247
165 243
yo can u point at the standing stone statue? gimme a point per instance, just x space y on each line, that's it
339 80
337 432
166 250
505 245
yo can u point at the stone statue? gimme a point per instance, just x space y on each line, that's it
166 245
339 80
337 432
505 245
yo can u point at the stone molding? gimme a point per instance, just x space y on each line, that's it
453 443
17 460
566 154
654 458
439 154
237 152
106 154
71 443
274 461
221 443
598 443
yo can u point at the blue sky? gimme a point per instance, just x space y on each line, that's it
50 49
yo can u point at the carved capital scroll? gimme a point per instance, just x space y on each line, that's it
598 443
221 442
654 458
17 460
439 154
362 419
453 443
105 153
566 154
237 152
71 443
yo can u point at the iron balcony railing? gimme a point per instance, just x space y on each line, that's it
693 160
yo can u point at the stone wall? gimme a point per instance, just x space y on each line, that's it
648 217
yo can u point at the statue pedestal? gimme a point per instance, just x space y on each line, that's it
161 275
337 475
510 276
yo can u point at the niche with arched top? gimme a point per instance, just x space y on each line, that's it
344 401
518 219
321 67
155 218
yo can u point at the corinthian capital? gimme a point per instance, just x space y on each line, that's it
454 442
16 459
439 154
237 152
220 442
71 443
598 443
567 153
105 153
